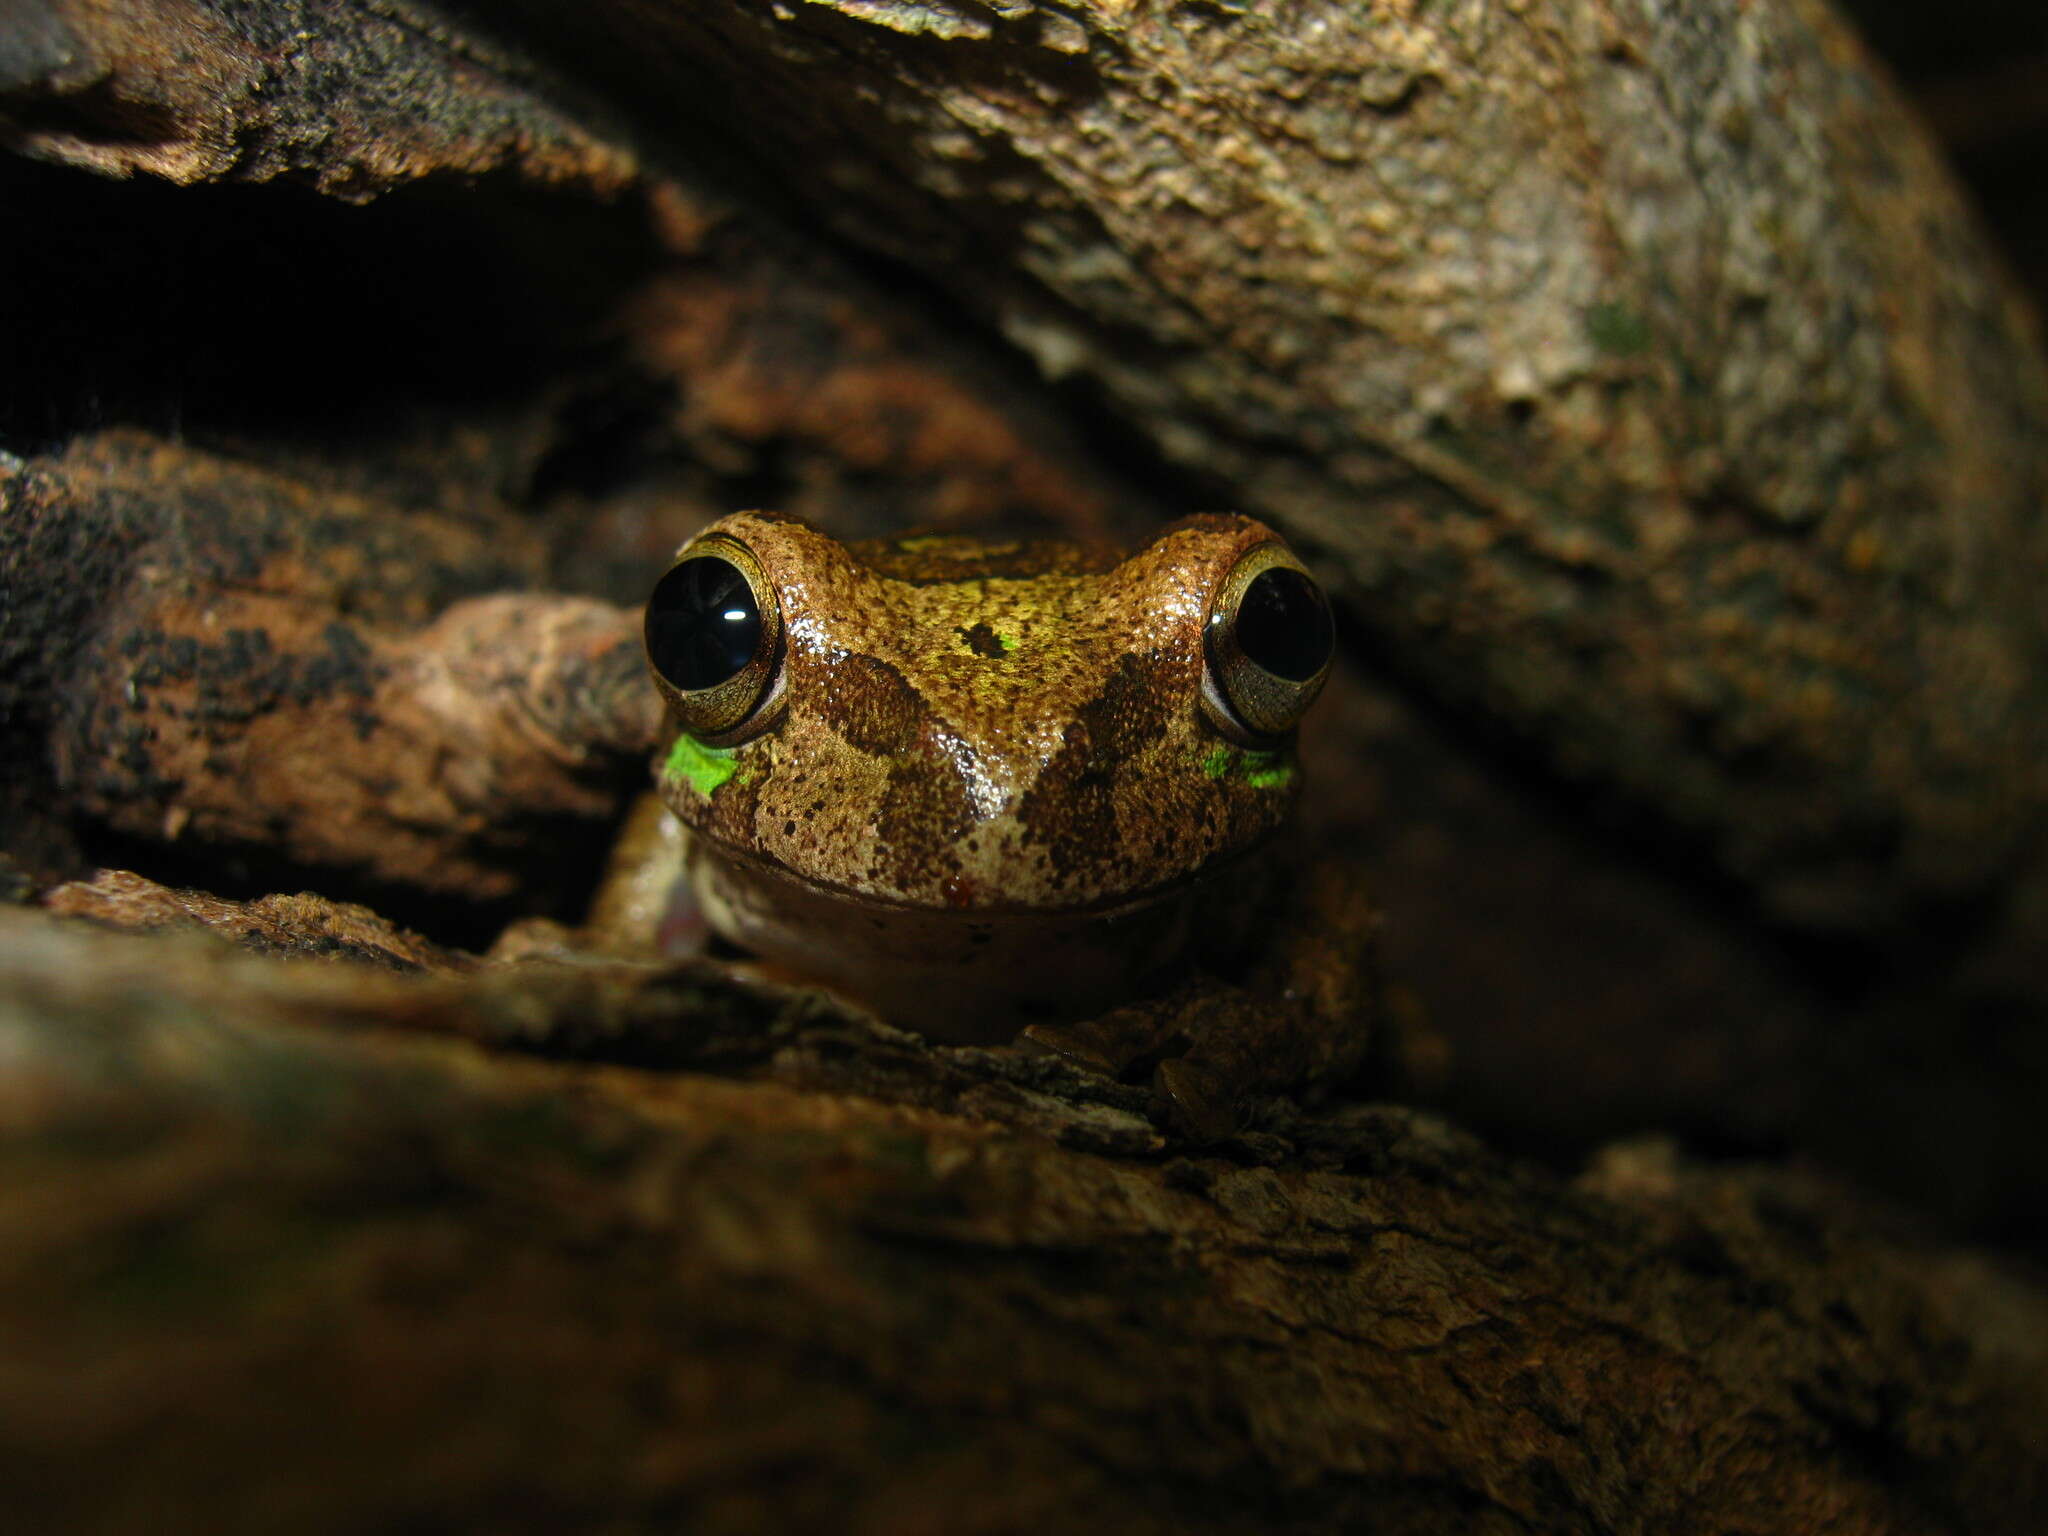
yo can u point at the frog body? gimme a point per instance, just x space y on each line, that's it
992 786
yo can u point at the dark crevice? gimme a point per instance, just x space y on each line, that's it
275 312
607 438
571 852
99 115
350 342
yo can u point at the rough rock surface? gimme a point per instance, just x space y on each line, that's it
287 1245
1637 379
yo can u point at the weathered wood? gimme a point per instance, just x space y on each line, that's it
1632 360
216 634
270 1255
249 663
1636 360
455 380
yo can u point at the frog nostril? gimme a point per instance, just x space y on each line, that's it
982 639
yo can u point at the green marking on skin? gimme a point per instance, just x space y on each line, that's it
1266 770
1258 770
1007 642
704 767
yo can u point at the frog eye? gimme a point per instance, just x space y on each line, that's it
714 636
1269 643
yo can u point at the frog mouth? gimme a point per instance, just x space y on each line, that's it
974 974
704 847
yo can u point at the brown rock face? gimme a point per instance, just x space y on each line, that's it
1632 373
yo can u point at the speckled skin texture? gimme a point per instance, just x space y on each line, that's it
992 727
984 791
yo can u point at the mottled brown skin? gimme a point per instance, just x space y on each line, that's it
991 799
990 726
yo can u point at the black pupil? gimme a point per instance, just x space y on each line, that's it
1283 624
702 623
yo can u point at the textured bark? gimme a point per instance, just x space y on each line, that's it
1636 360
228 656
1632 367
217 631
429 354
286 1246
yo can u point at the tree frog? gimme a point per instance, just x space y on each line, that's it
994 788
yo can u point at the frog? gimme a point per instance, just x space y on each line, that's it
1020 791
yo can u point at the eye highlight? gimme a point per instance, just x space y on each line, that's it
1269 642
714 639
